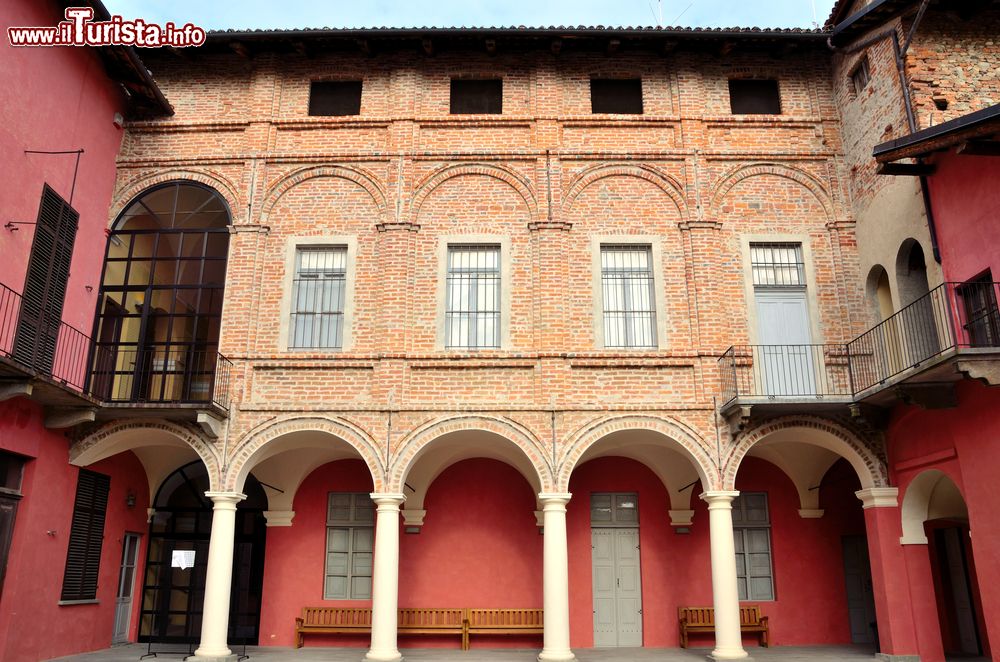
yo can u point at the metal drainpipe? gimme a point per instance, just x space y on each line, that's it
911 121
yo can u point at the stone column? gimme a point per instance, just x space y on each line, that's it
218 580
725 591
385 579
555 577
890 582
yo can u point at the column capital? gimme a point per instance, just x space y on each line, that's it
879 497
554 500
719 498
225 500
388 500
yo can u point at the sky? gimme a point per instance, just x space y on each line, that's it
221 14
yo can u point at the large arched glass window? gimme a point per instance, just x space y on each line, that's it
156 335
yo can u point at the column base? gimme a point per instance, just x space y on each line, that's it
737 654
214 658
888 657
382 656
556 656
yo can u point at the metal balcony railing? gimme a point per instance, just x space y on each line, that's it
52 348
785 372
951 316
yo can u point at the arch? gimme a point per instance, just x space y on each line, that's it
663 181
515 180
911 272
745 171
932 494
417 443
815 431
359 176
135 435
683 438
286 434
879 292
133 189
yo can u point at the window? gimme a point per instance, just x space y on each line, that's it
754 97
45 282
341 97
349 546
86 536
752 533
860 75
982 317
615 509
318 292
476 97
777 265
629 302
472 297
622 96
11 472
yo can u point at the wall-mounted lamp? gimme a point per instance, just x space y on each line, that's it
130 499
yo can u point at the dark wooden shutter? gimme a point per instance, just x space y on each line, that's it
45 283
83 560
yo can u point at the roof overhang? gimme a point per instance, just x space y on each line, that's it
975 133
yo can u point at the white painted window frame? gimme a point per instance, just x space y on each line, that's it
656 256
444 241
292 244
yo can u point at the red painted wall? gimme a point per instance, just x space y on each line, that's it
55 99
962 443
811 603
966 204
479 547
32 624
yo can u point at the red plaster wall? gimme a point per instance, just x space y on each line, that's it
966 203
811 603
56 99
962 443
35 567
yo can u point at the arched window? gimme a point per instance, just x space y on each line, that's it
156 335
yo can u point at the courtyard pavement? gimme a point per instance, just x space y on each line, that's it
132 652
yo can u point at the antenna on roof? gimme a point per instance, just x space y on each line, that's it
690 5
658 14
815 19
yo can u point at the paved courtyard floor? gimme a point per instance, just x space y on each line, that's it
271 654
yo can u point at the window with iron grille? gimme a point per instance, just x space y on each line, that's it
982 317
472 297
860 75
627 292
86 535
349 546
752 534
777 265
318 292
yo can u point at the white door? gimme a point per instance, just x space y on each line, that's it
126 585
617 587
785 365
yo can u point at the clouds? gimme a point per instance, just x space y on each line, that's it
220 14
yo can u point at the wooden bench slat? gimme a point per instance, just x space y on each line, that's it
503 621
702 619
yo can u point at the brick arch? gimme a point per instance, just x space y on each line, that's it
363 178
670 186
822 432
241 461
132 189
746 171
423 436
596 430
100 443
513 179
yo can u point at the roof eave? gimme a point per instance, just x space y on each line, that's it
974 125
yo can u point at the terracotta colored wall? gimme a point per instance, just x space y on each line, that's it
35 567
961 442
966 203
810 605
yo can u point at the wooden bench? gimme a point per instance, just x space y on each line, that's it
502 621
432 621
332 620
699 620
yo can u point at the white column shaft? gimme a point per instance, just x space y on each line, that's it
555 579
218 577
385 579
725 590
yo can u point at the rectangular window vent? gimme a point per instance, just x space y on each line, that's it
617 96
332 98
476 97
754 97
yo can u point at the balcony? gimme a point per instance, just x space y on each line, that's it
50 362
951 332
